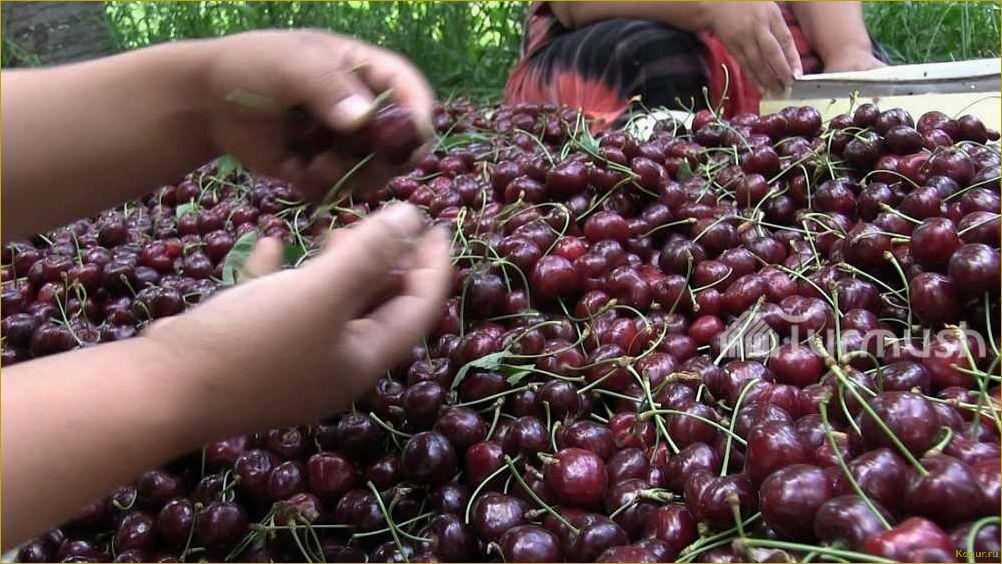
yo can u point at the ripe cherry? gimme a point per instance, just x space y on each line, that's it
708 497
577 477
220 525
175 521
428 458
847 520
934 298
791 497
495 513
773 445
529 543
934 242
329 475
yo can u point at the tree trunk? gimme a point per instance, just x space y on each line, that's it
51 33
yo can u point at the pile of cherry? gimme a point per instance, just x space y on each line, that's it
592 391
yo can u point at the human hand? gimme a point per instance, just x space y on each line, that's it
847 60
757 37
298 345
252 80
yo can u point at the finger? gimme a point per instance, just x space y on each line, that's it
263 260
354 270
785 39
391 329
745 63
333 94
781 75
390 71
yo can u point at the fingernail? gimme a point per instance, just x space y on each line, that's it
403 219
351 112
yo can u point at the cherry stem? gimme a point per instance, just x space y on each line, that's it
734 420
725 536
837 371
658 420
823 550
823 412
378 532
302 549
389 520
973 534
846 267
647 414
750 316
389 426
494 396
518 477
494 420
250 536
988 325
553 431
482 484
889 257
982 381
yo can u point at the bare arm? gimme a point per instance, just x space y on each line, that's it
284 349
690 16
84 137
77 425
88 136
837 33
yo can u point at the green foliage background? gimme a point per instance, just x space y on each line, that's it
468 47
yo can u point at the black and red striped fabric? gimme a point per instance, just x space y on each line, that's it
604 67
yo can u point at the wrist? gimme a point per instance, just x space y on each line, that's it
846 50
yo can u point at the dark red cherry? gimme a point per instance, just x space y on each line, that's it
577 477
286 480
329 475
791 497
934 242
429 457
880 473
934 298
220 525
252 471
529 543
136 531
494 513
773 445
587 435
848 520
175 522
672 524
975 269
708 497
907 541
948 494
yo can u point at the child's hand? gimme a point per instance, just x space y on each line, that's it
253 79
299 345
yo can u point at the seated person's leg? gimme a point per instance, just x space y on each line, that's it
603 66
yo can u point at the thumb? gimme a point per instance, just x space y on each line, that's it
356 268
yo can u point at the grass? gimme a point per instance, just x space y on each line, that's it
925 32
462 47
468 48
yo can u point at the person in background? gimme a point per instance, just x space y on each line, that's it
283 349
601 56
